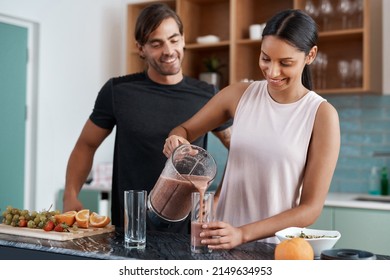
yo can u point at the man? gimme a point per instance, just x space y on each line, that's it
144 107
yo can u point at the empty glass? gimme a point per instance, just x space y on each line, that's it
356 66
343 67
311 9
319 69
326 11
344 8
359 12
135 218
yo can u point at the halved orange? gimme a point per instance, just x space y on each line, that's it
82 218
67 218
97 220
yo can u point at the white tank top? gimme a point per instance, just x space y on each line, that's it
267 156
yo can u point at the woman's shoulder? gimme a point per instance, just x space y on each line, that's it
327 113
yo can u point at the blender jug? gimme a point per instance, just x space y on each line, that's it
189 169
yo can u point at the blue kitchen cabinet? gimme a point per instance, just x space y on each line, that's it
361 229
325 221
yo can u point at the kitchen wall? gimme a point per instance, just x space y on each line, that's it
82 44
365 129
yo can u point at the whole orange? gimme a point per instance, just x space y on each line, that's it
294 249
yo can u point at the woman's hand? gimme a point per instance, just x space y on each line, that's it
221 235
172 142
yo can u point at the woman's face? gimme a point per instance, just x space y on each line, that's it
281 64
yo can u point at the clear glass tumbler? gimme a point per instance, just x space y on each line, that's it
201 212
135 218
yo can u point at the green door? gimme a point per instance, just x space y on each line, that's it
13 74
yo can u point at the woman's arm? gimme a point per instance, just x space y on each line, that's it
218 110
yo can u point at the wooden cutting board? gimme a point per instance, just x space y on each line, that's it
53 235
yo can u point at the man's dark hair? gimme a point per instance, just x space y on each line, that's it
150 18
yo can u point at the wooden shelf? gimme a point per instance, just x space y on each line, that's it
230 21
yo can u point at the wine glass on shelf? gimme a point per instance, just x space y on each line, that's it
344 8
357 71
319 67
326 11
311 9
343 67
324 66
359 12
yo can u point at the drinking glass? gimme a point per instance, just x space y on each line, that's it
320 65
326 11
359 12
202 211
311 9
343 67
344 8
135 218
356 66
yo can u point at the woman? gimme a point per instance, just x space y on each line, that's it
284 145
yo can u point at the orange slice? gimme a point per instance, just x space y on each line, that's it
67 218
97 220
82 218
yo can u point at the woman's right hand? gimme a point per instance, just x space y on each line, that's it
172 142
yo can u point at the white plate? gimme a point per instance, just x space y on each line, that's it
207 39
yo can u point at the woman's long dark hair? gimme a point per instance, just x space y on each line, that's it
297 29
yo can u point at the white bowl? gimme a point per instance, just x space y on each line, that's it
320 239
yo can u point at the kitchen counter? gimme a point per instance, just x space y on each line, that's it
357 200
109 246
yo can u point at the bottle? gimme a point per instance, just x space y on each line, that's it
375 182
384 182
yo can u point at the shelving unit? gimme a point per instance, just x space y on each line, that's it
230 21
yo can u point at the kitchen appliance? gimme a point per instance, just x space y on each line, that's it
189 169
347 254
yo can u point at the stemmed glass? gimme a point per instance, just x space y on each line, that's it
357 72
324 66
343 67
319 67
359 11
326 10
311 9
344 8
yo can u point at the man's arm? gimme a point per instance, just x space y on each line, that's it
224 136
80 163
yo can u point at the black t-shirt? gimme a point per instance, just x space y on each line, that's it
144 113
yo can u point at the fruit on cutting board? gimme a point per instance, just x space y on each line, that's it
68 218
82 218
53 220
23 218
97 220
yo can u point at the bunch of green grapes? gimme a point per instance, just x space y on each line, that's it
23 218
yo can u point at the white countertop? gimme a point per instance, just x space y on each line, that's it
350 200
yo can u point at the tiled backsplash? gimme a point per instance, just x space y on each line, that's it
365 129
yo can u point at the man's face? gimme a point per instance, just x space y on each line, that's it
163 50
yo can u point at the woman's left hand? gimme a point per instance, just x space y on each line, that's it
221 235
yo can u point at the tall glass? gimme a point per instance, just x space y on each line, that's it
135 218
201 212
